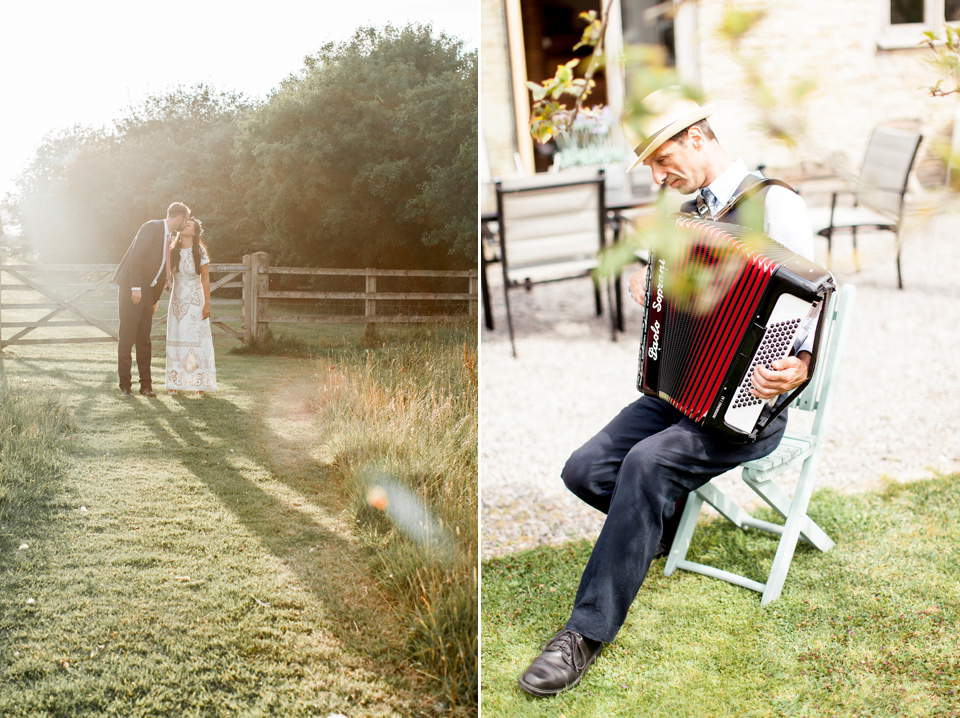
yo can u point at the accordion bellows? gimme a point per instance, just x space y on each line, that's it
721 299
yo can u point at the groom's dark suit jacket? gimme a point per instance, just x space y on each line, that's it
142 262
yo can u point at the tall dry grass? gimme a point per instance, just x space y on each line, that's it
404 432
32 432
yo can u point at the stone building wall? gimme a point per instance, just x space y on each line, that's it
857 86
497 125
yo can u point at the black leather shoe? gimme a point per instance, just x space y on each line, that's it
561 665
126 392
147 392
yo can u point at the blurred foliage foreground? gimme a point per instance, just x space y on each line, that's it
366 156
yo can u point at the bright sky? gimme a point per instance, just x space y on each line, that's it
67 63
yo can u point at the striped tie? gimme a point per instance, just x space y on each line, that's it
703 202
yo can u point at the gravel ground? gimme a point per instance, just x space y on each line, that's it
894 416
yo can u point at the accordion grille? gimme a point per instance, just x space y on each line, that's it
703 329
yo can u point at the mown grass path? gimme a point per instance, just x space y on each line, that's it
195 558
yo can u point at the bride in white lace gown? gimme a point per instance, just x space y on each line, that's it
190 363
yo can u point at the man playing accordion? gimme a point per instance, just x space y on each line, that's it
640 467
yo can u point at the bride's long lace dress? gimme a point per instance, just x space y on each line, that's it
190 363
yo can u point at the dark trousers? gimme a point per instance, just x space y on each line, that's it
136 321
634 471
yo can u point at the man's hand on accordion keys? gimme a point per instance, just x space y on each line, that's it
786 374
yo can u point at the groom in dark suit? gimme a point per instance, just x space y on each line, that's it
143 274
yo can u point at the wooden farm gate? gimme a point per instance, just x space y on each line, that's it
74 304
49 304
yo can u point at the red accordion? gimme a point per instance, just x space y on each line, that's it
721 299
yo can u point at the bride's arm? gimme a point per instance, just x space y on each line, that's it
205 281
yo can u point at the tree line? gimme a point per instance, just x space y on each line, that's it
366 156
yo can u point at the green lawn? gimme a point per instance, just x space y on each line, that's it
868 629
188 556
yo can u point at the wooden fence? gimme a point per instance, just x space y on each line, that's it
245 299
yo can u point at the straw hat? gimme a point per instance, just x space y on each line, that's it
671 113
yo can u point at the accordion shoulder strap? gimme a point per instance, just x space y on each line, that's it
746 193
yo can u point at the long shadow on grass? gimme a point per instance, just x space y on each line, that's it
326 563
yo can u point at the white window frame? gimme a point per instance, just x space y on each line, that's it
907 35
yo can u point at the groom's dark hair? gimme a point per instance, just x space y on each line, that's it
178 208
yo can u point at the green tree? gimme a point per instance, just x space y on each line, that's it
368 155
365 157
187 136
87 192
444 114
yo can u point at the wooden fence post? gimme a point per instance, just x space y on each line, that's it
473 295
256 280
370 306
370 303
259 266
249 307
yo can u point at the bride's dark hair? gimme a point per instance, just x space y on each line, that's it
197 243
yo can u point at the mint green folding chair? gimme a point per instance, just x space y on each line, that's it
796 449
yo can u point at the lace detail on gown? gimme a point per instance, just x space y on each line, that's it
190 361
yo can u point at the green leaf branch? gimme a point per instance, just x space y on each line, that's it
946 58
549 116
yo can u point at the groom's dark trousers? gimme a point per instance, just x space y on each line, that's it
634 471
136 322
139 267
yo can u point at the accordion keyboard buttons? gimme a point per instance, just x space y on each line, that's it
776 342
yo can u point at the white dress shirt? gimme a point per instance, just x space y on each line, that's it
785 215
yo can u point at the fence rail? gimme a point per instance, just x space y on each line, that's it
245 299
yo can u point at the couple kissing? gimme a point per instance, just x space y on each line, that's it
167 254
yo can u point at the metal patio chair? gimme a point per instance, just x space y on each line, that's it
878 198
551 228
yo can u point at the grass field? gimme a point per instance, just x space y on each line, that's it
868 629
217 556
